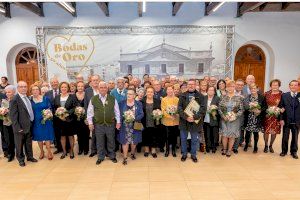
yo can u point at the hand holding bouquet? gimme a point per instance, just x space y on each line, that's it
62 113
171 110
3 112
129 116
231 116
273 111
79 112
255 108
157 115
47 115
213 111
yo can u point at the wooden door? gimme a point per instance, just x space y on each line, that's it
27 66
250 59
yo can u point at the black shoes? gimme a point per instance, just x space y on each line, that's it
72 156
124 161
10 159
22 164
246 148
282 154
194 159
271 149
63 156
92 155
80 152
86 153
114 160
132 156
235 151
294 155
146 154
31 159
57 152
167 154
154 155
266 149
99 161
162 150
174 153
255 150
183 158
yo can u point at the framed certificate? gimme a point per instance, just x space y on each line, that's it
192 107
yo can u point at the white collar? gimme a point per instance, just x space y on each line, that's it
21 95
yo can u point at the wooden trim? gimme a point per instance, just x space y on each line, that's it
104 7
36 9
175 7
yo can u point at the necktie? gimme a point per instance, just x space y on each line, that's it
29 108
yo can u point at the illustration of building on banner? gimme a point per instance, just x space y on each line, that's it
167 59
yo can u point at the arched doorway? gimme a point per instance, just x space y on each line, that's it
27 65
250 59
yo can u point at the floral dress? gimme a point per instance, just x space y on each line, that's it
272 123
253 123
129 128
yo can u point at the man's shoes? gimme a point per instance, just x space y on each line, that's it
10 159
80 152
32 160
235 151
92 155
99 161
282 154
294 155
266 149
114 160
86 153
154 155
162 150
183 158
146 154
194 159
22 164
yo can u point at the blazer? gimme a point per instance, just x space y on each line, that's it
156 105
215 101
88 94
119 97
263 104
182 104
286 102
19 115
70 105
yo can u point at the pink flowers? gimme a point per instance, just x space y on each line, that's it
129 116
47 115
171 110
61 113
157 115
79 112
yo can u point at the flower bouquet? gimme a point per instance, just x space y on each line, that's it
47 115
231 116
171 110
255 108
157 115
62 113
273 111
213 111
79 112
3 112
129 116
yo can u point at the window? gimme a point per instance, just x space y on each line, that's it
163 68
147 69
181 68
200 67
129 69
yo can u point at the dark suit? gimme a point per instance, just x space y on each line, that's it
3 139
51 96
291 117
88 94
21 125
211 129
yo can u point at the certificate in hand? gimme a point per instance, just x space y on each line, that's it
192 107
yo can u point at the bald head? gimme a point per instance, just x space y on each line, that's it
250 79
54 83
103 88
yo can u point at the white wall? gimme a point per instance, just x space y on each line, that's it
279 31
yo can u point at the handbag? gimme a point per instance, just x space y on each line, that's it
138 126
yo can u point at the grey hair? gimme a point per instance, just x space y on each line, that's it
120 78
103 82
10 87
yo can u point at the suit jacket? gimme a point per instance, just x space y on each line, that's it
70 105
88 94
19 115
263 104
182 104
215 101
286 102
156 105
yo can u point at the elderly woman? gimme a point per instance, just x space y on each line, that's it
44 90
140 94
230 109
7 123
73 88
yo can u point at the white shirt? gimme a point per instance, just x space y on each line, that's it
27 103
294 94
95 92
207 117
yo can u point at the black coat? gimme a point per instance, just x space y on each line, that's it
182 104
287 103
156 105
70 105
19 115
262 102
215 101
88 94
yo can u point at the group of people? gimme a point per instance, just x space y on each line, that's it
149 115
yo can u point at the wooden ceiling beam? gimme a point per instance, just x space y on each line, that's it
175 7
285 5
36 9
246 7
71 4
140 9
210 6
262 6
104 7
6 7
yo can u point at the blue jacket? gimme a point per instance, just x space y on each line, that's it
119 97
290 110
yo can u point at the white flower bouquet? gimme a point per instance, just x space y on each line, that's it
255 108
129 116
157 115
61 113
213 111
231 116
79 112
171 110
47 115
273 111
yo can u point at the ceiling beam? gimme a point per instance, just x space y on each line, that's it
284 5
104 7
175 8
140 9
6 7
36 9
262 6
71 4
210 6
246 7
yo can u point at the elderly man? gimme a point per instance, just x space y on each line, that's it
89 93
103 116
250 79
111 85
213 81
22 116
120 92
158 91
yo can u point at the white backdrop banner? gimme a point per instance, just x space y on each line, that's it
113 55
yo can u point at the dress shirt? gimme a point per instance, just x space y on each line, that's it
27 103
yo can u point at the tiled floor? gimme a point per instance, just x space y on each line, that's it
243 176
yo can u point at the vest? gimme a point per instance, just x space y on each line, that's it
103 114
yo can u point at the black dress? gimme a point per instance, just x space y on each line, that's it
82 130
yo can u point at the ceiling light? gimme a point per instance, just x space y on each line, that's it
144 6
67 6
218 6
